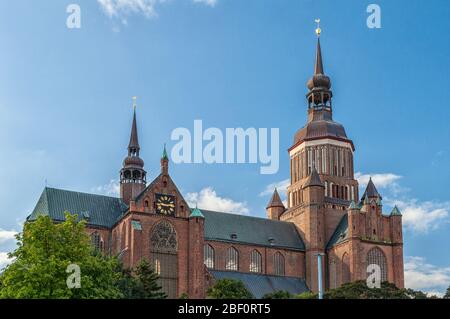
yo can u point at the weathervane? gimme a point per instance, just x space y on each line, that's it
318 30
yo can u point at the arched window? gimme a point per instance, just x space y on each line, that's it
208 255
164 256
232 260
377 257
96 241
345 268
278 264
255 261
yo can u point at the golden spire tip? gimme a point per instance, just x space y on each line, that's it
318 30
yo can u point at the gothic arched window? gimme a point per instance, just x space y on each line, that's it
209 256
278 264
345 269
377 257
164 256
96 241
255 261
232 260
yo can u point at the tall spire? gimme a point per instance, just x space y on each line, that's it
133 146
318 67
319 95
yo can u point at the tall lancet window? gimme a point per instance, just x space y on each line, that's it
164 256
377 257
255 262
232 260
209 256
278 264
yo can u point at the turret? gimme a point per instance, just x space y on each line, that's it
275 207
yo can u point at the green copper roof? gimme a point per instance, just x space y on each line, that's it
259 285
395 211
353 205
98 210
196 213
341 232
251 230
164 154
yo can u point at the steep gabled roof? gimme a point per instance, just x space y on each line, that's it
99 210
340 234
371 190
251 230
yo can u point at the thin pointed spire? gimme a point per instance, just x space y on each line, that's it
164 154
318 67
134 142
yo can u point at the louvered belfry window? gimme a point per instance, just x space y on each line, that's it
164 257
377 257
232 260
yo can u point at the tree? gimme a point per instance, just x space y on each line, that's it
147 286
280 294
447 294
45 250
360 290
229 289
307 295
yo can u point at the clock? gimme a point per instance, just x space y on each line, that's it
165 204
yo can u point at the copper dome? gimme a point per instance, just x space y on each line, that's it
320 129
133 161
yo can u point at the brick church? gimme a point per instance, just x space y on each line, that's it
190 248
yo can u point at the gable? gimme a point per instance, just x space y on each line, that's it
251 230
340 234
162 184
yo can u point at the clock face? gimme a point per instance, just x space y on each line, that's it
165 204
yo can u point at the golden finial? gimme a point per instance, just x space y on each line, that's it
134 102
318 30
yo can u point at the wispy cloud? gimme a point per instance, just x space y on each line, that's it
4 260
208 199
121 9
7 235
420 275
110 189
281 186
418 216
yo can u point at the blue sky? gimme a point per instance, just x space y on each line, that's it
65 100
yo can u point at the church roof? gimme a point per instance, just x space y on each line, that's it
99 210
251 230
313 179
259 285
340 234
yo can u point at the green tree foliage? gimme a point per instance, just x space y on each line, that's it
229 289
359 290
45 249
307 295
447 294
280 294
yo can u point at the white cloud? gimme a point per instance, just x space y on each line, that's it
208 199
4 260
123 8
420 275
281 186
6 235
110 189
422 217
210 3
380 180
418 216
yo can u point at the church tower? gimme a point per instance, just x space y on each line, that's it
132 175
322 183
